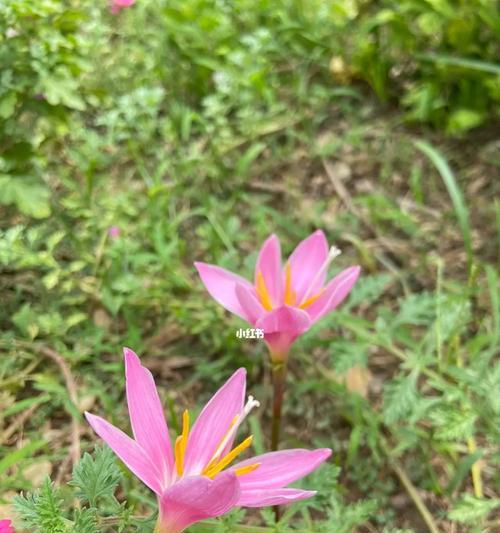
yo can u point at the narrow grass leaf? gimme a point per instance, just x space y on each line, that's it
462 470
462 62
20 454
455 193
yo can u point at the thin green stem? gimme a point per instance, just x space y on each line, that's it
278 375
411 490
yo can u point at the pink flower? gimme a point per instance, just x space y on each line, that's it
118 5
283 302
6 526
113 232
195 479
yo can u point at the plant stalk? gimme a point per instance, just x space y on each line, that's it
278 376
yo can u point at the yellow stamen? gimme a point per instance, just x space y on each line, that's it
222 443
214 469
246 469
181 444
290 295
263 294
312 299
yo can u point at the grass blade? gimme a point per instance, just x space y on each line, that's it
462 62
18 455
457 199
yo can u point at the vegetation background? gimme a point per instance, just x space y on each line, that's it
197 128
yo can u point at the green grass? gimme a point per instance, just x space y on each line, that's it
206 127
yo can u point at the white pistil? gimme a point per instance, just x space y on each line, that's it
251 403
332 254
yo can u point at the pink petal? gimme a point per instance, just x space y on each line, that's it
278 469
285 319
281 327
6 526
146 415
266 497
306 261
128 451
336 291
213 423
117 5
249 303
197 498
221 284
269 263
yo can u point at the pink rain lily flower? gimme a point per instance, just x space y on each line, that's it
118 5
114 232
195 478
283 302
6 526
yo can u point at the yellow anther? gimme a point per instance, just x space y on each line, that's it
214 468
262 293
290 295
312 299
181 444
246 469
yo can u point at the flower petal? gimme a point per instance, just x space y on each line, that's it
281 327
249 303
197 498
269 265
335 292
6 526
305 263
146 415
266 497
128 451
285 319
221 283
213 423
279 469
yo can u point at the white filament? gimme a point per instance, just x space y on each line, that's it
332 254
251 403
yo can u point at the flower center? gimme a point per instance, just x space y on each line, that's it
290 296
218 461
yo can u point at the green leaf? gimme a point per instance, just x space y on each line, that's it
18 455
41 511
462 120
28 195
26 320
86 521
462 62
8 105
461 211
462 470
453 424
96 476
472 510
62 90
400 395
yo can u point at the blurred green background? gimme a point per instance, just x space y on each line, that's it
199 127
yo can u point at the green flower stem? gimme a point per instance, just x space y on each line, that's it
278 376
